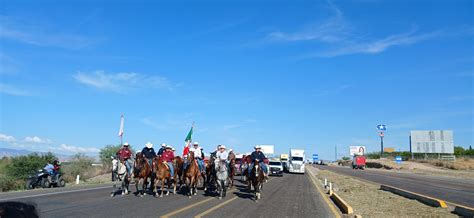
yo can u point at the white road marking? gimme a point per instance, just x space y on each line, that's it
54 193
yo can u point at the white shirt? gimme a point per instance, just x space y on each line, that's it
197 152
222 155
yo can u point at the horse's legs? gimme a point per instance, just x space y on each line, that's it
175 184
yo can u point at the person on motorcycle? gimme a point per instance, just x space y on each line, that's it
49 168
258 155
168 157
198 155
149 153
162 149
125 155
56 168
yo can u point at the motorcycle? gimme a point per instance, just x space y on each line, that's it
42 178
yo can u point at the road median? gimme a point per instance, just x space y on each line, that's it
412 195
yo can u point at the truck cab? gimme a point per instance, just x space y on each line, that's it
296 161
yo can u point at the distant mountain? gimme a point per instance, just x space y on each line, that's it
8 152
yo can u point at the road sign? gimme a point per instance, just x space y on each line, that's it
315 157
382 127
398 159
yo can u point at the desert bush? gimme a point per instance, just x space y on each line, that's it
79 165
105 154
8 183
22 166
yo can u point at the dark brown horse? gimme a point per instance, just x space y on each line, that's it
142 171
192 175
256 179
162 176
232 171
210 174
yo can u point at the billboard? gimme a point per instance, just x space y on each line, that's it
359 150
267 149
432 141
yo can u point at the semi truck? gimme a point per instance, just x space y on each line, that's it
296 161
284 161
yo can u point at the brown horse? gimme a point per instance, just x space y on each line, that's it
256 179
142 171
232 171
163 175
192 175
178 162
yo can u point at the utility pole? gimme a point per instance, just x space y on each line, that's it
335 152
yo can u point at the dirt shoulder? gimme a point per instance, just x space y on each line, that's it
429 168
368 200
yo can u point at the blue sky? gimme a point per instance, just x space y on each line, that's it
306 74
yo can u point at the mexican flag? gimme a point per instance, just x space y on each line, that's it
188 141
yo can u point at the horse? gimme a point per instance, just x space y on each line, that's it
178 162
119 173
191 175
210 173
222 177
256 179
163 175
232 171
142 171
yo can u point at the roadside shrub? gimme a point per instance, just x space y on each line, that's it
22 166
79 165
8 183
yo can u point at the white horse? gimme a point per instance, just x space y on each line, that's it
222 177
119 173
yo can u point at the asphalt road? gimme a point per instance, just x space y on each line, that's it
453 190
287 196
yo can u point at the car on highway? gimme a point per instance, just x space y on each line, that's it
276 168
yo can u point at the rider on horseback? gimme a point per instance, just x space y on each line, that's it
162 149
168 157
198 155
149 153
125 155
222 155
258 155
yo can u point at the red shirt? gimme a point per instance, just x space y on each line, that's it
167 156
124 153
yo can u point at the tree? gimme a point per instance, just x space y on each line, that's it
458 150
106 153
22 166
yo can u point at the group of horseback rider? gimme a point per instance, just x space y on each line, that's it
166 152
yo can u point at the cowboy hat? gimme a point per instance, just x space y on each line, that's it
149 145
173 149
257 147
222 146
126 144
196 143
169 146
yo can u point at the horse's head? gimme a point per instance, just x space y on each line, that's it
191 155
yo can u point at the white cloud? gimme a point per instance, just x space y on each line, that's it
231 126
381 45
6 138
75 149
121 82
333 29
12 90
41 35
36 139
342 38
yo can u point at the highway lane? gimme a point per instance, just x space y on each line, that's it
454 190
287 196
